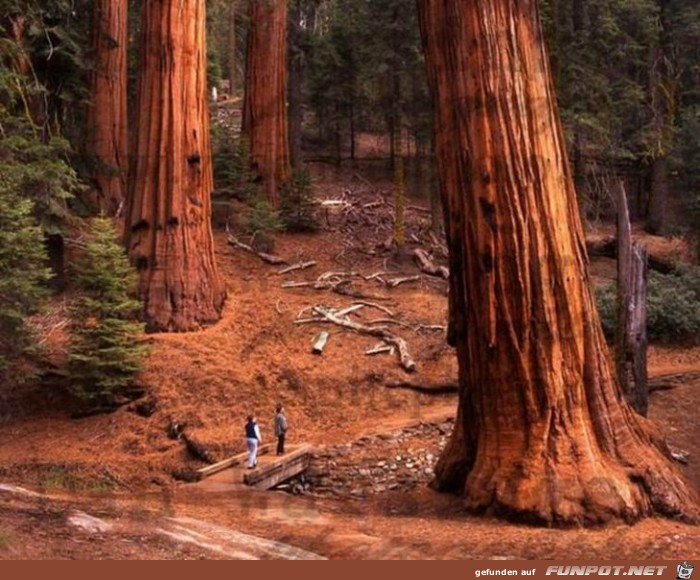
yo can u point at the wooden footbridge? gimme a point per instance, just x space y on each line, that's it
271 470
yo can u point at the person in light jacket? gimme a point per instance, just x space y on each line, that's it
280 428
253 439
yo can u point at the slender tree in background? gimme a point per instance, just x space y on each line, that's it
664 85
265 100
296 71
232 46
106 140
542 433
169 236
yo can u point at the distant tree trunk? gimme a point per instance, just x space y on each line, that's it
399 189
434 192
296 71
232 47
543 433
106 140
338 137
631 352
579 23
33 102
663 104
169 236
352 132
265 100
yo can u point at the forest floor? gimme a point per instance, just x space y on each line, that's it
106 486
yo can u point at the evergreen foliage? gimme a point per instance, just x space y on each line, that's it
299 209
365 68
105 353
263 219
35 184
23 270
673 307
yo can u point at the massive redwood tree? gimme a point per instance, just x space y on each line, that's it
169 235
265 98
543 433
106 140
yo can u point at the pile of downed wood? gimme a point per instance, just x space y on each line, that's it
389 342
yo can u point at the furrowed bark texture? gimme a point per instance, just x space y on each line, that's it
265 99
169 235
106 142
543 433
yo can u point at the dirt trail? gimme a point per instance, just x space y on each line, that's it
172 537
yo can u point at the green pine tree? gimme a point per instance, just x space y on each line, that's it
106 353
22 269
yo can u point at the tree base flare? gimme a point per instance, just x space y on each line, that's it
546 492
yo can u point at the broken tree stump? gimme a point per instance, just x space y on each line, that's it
632 272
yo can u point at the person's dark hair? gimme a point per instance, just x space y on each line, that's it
279 407
250 418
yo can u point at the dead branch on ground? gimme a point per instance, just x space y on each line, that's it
394 282
269 258
439 389
427 266
297 266
381 332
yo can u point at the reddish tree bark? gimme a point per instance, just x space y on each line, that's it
543 433
169 235
106 140
265 99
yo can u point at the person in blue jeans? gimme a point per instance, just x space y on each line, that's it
252 437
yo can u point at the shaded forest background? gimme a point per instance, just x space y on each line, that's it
627 77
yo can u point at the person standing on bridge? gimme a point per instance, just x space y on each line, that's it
253 439
280 428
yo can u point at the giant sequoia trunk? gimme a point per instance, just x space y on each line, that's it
106 142
169 234
265 98
542 433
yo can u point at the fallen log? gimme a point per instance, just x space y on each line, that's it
350 309
666 382
315 285
381 348
195 449
320 342
439 389
607 248
297 266
394 282
343 290
417 208
406 361
426 265
269 258
331 274
384 309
